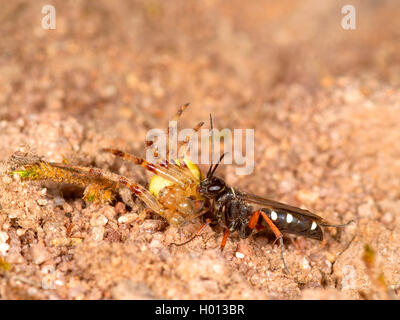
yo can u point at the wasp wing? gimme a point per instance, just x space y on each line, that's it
271 204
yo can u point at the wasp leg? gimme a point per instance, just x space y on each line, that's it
224 239
253 222
199 232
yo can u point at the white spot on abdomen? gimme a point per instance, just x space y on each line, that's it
289 218
274 215
313 225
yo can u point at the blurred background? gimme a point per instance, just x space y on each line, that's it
323 101
120 58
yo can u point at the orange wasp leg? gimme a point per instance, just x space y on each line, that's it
224 239
253 223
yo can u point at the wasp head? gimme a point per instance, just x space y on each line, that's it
212 186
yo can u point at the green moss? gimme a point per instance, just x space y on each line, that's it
30 173
91 197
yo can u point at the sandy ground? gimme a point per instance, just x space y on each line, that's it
324 103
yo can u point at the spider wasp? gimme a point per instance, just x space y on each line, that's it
234 210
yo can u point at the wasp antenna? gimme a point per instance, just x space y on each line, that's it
209 174
337 225
216 166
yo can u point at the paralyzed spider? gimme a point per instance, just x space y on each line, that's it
173 190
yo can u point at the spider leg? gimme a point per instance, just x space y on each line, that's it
175 118
149 143
37 169
180 169
97 189
253 222
141 192
165 169
183 146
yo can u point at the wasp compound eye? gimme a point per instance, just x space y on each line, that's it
214 188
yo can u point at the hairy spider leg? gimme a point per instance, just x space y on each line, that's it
175 118
253 223
164 170
58 172
141 192
182 149
149 143
183 146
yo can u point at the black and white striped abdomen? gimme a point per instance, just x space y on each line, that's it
288 222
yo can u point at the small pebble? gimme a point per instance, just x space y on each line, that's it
108 212
307 196
96 233
127 218
4 248
120 208
32 291
41 202
239 255
151 226
7 180
65 241
67 207
3 245
3 237
112 235
21 232
98 221
365 210
305 265
39 254
387 218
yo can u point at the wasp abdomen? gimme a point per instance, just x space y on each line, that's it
288 222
